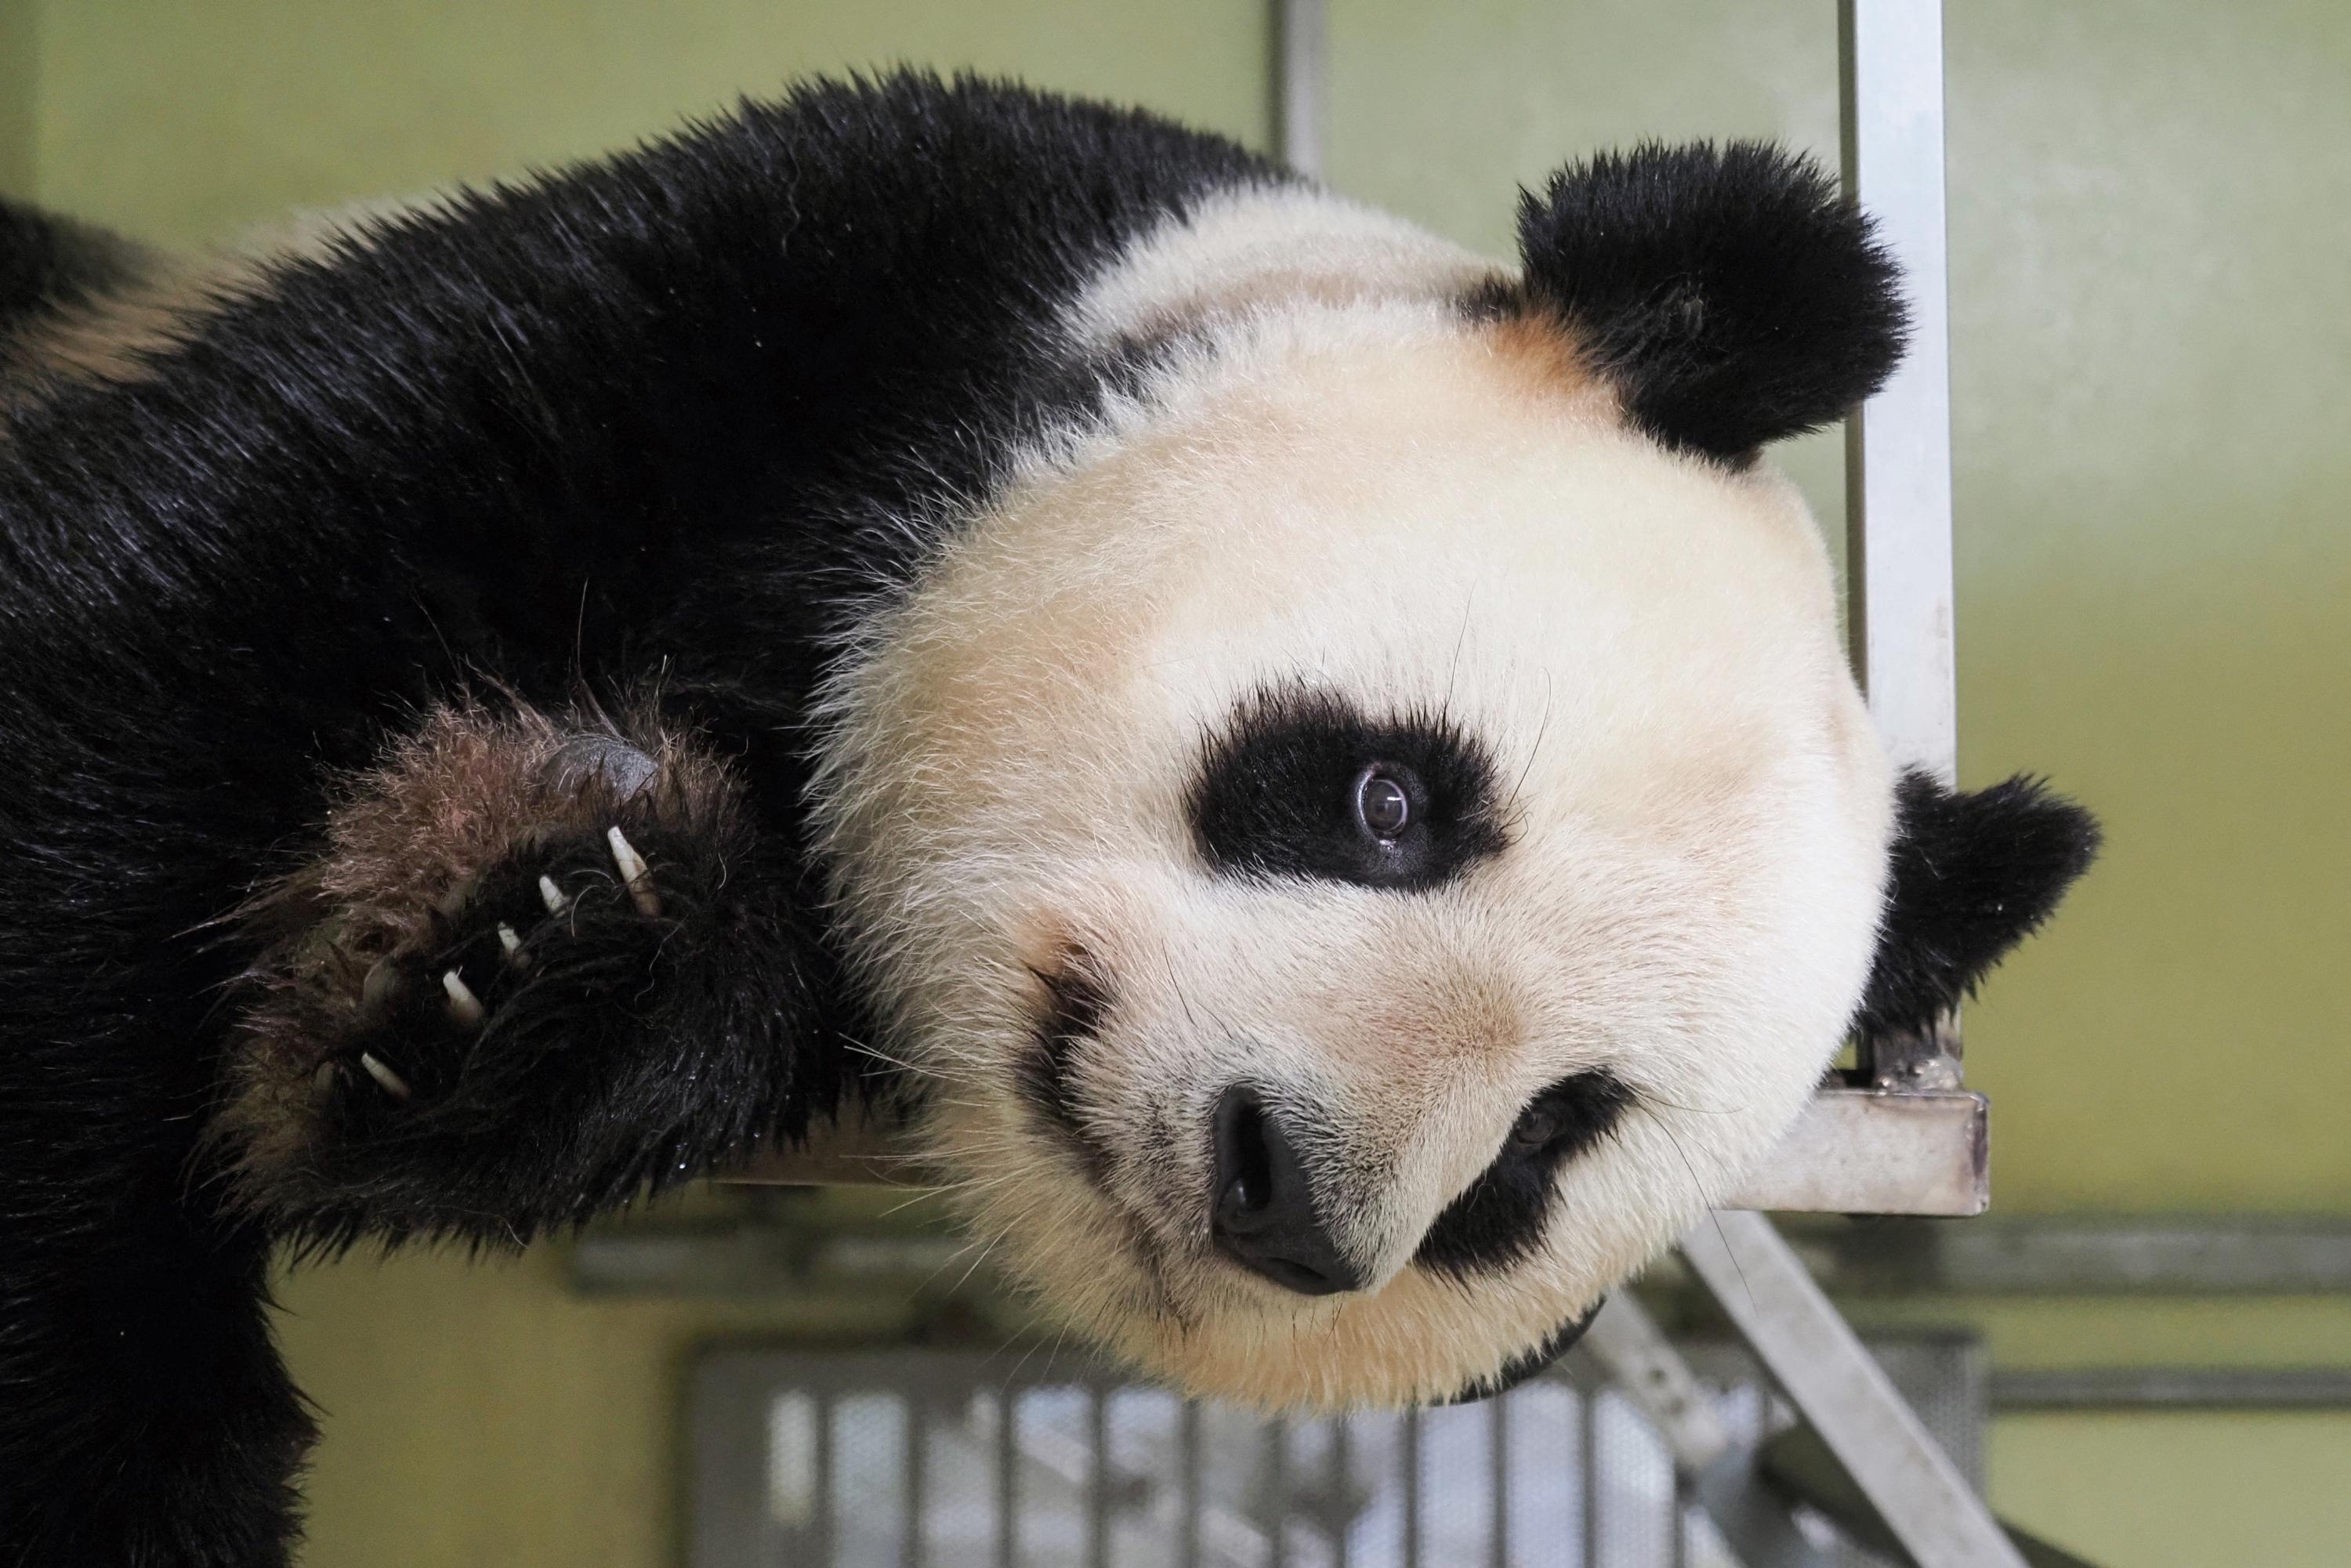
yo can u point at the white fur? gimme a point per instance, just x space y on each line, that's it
1349 485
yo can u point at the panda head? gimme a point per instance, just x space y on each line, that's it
1364 842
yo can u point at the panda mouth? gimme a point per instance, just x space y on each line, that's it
1520 1368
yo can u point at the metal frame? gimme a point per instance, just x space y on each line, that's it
1300 85
772 1477
1902 1135
1899 612
1844 1394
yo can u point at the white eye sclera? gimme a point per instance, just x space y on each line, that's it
1381 804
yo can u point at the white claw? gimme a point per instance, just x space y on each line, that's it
509 940
394 1083
552 895
463 1005
635 872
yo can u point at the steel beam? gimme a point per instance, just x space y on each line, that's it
1844 1394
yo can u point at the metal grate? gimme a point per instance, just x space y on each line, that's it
942 1460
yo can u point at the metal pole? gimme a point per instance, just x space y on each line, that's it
1843 1393
1008 1486
1188 1486
1299 100
1498 1473
1625 1342
1412 1488
1587 1453
1098 1479
913 1552
1898 446
828 1519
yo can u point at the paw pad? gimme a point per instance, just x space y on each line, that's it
463 1004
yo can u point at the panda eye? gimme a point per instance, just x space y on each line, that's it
1300 784
1382 805
1569 1116
1538 1125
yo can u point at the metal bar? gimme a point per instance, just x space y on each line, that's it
828 1531
1412 1488
1858 1151
1098 1479
1638 1359
2174 1389
1843 1393
1343 1489
1008 1490
1799 1465
734 1512
1299 94
918 1436
2214 1255
1853 1146
1587 1401
1188 1479
1498 1461
1277 1491
1898 446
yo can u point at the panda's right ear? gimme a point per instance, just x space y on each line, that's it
1730 295
1972 874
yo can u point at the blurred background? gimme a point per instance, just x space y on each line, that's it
2150 234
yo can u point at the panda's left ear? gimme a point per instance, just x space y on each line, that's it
1729 293
1972 874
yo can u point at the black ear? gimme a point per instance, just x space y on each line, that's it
1730 293
1973 875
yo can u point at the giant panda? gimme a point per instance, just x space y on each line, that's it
1312 769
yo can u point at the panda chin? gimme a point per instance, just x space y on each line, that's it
1520 1368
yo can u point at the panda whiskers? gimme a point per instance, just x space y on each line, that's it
1640 1103
1534 750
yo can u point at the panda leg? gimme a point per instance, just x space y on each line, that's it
145 1415
544 963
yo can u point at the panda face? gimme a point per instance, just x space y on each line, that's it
1361 851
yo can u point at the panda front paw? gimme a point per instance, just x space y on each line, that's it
513 942
538 967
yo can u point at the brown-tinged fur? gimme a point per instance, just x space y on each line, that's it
468 788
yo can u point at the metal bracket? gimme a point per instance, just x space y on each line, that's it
1860 1151
1726 1479
1844 1394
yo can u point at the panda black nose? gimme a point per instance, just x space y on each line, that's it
1264 1214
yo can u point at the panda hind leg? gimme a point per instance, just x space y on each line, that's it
542 966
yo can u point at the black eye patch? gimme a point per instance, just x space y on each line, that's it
1498 1220
1302 783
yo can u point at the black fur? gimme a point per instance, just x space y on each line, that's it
1973 874
660 416
1499 1219
48 266
48 263
1727 292
1275 794
1076 1004
1518 1369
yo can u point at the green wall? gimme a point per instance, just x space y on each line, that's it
2152 361
183 120
17 66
